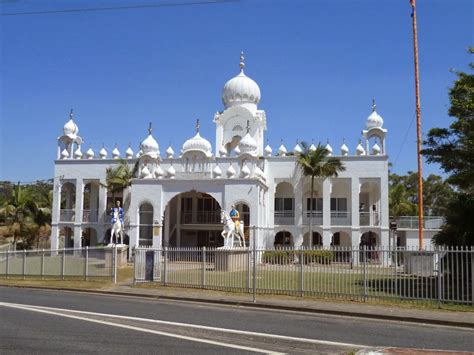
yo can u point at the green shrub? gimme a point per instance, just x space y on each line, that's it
283 257
318 256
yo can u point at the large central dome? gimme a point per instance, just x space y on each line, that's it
240 89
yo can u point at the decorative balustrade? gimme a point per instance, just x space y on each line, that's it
369 218
89 216
67 215
317 217
411 222
340 218
207 217
285 217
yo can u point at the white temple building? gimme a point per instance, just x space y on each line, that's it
176 197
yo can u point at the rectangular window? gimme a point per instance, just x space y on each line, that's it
283 204
317 204
207 204
339 204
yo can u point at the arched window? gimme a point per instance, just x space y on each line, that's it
145 225
283 239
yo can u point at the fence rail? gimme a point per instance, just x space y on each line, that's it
84 263
435 276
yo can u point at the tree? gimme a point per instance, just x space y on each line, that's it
317 164
453 149
118 178
399 202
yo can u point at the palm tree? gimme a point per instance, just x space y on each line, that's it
18 207
317 164
118 178
399 202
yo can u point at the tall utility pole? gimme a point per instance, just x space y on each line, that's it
418 128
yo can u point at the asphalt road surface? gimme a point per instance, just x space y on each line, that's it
39 321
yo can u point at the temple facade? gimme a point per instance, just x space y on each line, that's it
175 199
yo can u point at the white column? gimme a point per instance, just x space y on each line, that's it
102 213
178 222
327 187
167 229
59 150
93 202
78 213
327 236
54 236
355 240
355 191
299 203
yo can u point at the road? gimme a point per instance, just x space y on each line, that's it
41 321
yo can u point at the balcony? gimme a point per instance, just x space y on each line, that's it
411 222
66 215
317 217
206 217
340 218
285 217
89 216
369 219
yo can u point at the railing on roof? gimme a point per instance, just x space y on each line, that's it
411 222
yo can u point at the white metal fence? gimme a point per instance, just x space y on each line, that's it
85 263
438 275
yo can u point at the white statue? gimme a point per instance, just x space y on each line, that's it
232 228
117 223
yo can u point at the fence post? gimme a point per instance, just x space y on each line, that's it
203 271
165 267
63 263
249 268
8 262
24 263
440 270
364 254
254 267
472 277
86 266
42 264
301 273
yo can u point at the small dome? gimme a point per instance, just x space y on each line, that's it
282 150
344 149
237 150
222 151
64 154
150 147
145 173
198 143
240 89
297 149
257 172
248 145
169 152
360 149
129 152
115 153
245 171
70 129
268 151
376 149
217 172
328 148
312 147
103 153
159 173
90 153
374 120
78 153
171 172
230 171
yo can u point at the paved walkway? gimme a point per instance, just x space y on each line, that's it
344 307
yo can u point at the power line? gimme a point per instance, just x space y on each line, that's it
405 138
129 7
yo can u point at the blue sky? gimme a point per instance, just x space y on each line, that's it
318 63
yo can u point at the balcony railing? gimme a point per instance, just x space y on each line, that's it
411 222
317 217
369 219
207 217
66 215
285 217
340 218
89 216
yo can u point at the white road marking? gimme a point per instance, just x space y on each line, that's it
195 326
144 330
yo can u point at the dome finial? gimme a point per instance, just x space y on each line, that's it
248 126
149 128
242 63
374 106
71 114
198 125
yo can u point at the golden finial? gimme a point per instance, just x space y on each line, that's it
149 128
242 63
374 106
71 114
